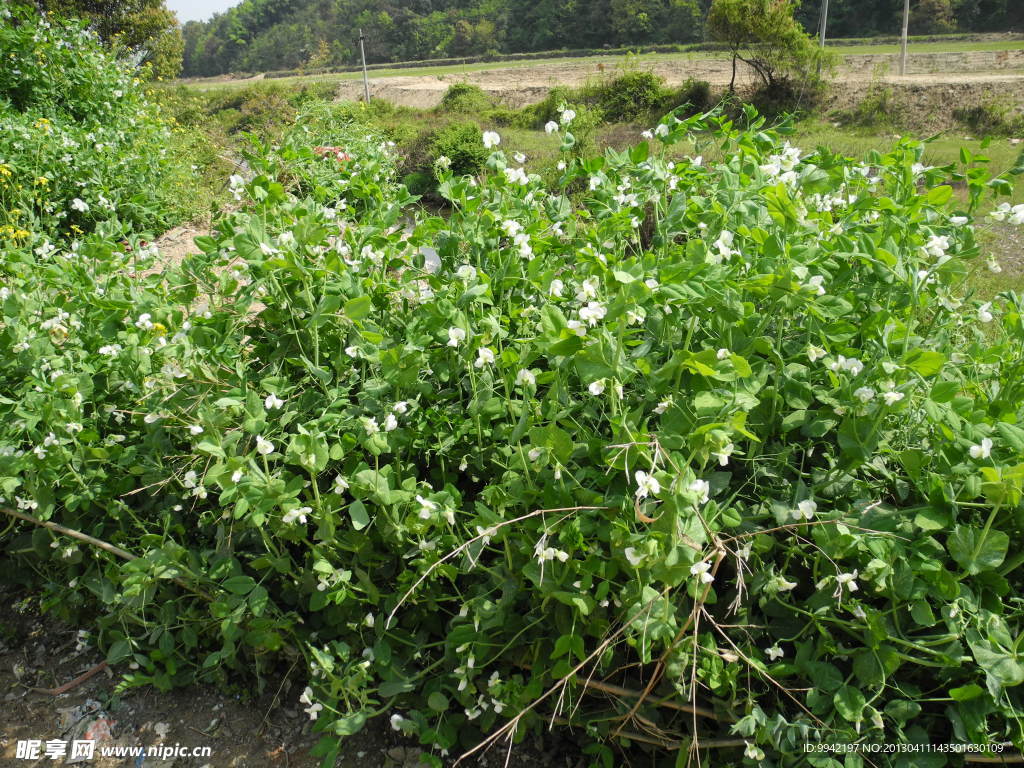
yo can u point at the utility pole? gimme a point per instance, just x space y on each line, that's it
824 20
821 34
366 82
903 38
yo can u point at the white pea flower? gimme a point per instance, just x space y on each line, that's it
352 351
632 556
752 751
401 407
191 479
79 205
701 570
272 401
774 653
466 272
815 353
550 126
263 446
703 490
237 476
722 354
593 312
568 116
661 131
427 507
864 394
195 429
491 139
519 157
847 580
296 514
390 423
525 378
596 387
556 287
370 425
485 356
456 336
723 454
396 721
576 327
984 315
983 450
646 484
663 406
891 397
647 134
781 585
958 221
805 510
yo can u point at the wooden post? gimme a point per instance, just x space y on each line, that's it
366 82
903 38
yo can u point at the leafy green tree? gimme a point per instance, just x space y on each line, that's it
764 35
143 27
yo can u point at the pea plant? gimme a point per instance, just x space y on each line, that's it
673 450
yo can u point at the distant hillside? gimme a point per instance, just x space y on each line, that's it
262 35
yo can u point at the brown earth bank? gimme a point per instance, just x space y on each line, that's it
935 83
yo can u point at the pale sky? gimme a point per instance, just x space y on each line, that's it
198 10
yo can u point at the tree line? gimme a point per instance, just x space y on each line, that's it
263 35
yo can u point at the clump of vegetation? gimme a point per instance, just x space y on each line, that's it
461 143
79 141
695 95
465 98
628 97
452 468
993 117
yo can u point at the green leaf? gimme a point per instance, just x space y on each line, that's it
940 195
358 514
975 550
239 585
358 308
1012 435
118 652
850 703
966 692
437 701
926 362
351 724
394 688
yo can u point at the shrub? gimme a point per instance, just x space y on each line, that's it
454 468
462 144
79 142
628 97
696 94
465 98
992 118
